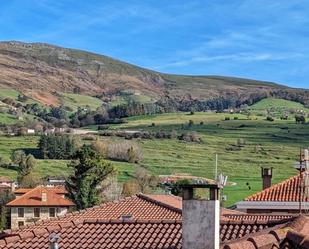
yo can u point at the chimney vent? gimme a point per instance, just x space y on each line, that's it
53 241
44 196
200 218
267 174
126 217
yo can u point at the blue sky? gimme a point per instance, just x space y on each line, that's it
259 39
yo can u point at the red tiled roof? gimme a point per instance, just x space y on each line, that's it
102 233
143 209
5 179
94 233
289 235
34 198
288 190
138 207
22 190
171 200
260 217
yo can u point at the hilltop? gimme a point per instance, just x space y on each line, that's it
43 71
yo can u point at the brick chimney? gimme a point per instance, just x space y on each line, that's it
13 187
44 196
200 218
266 174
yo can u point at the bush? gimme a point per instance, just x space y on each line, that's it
119 151
191 123
241 142
227 118
103 127
235 118
190 137
201 123
269 118
300 119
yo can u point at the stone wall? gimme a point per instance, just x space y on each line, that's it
29 215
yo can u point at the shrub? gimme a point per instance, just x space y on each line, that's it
153 124
236 118
102 127
300 119
190 137
100 147
130 188
270 118
124 151
201 123
191 123
241 142
227 118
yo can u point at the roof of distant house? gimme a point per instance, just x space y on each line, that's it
287 191
33 197
56 189
5 179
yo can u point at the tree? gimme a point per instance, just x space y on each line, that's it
145 181
26 163
130 188
90 169
111 189
300 119
58 146
5 197
176 186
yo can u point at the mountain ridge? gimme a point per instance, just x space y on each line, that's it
42 69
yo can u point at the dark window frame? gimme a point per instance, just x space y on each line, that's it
21 223
21 212
54 212
36 214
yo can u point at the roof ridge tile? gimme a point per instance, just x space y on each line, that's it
159 203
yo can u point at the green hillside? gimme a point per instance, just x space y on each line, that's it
273 144
73 101
277 104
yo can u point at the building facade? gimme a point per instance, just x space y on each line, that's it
38 204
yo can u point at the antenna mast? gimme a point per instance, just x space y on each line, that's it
216 168
301 180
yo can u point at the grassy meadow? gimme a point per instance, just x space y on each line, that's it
264 144
74 101
268 144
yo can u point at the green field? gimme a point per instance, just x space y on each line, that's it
269 144
272 144
74 101
7 119
277 106
45 167
126 98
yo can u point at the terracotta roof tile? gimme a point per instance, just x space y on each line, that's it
33 197
288 190
155 223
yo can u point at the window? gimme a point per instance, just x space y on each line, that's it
36 212
21 212
52 212
20 223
